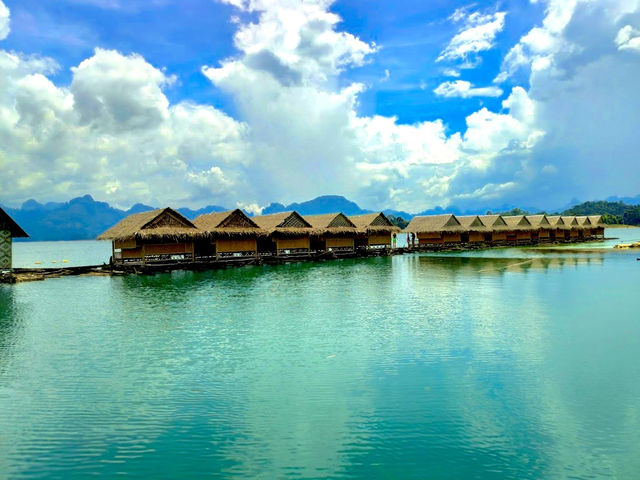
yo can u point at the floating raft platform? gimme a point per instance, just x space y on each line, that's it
18 275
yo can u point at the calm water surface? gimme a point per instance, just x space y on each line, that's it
499 364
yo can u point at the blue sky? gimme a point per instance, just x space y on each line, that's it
404 104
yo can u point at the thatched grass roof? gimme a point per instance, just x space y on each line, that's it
7 223
570 222
228 223
556 222
596 220
584 221
538 221
285 223
494 222
518 222
472 223
369 223
447 223
162 224
332 223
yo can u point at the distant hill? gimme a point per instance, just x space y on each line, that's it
323 204
81 218
85 218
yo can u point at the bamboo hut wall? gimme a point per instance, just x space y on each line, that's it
429 238
498 236
129 253
523 235
168 248
379 239
5 250
574 232
339 242
451 237
476 237
291 243
128 243
228 245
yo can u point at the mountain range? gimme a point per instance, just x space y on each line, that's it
84 218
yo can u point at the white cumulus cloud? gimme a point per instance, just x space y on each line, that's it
464 89
477 35
628 38
4 21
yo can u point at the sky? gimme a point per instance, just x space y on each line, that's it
406 104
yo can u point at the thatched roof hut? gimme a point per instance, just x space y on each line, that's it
556 222
7 224
332 223
472 223
163 224
518 222
570 221
373 223
539 221
494 222
9 229
596 221
285 223
584 221
229 223
447 223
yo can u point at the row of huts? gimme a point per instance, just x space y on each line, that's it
496 230
165 235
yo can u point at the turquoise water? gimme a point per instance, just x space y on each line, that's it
507 363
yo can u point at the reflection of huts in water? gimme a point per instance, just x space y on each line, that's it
374 230
573 228
541 228
474 232
336 233
598 226
288 234
156 236
498 228
229 235
519 232
557 228
436 230
9 230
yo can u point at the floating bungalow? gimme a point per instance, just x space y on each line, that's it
519 231
572 232
337 233
374 230
497 227
157 236
541 231
9 230
558 228
230 235
598 226
474 231
586 228
288 233
436 230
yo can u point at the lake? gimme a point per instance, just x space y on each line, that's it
504 363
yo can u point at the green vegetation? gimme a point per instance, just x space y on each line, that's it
398 221
613 213
632 215
512 212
